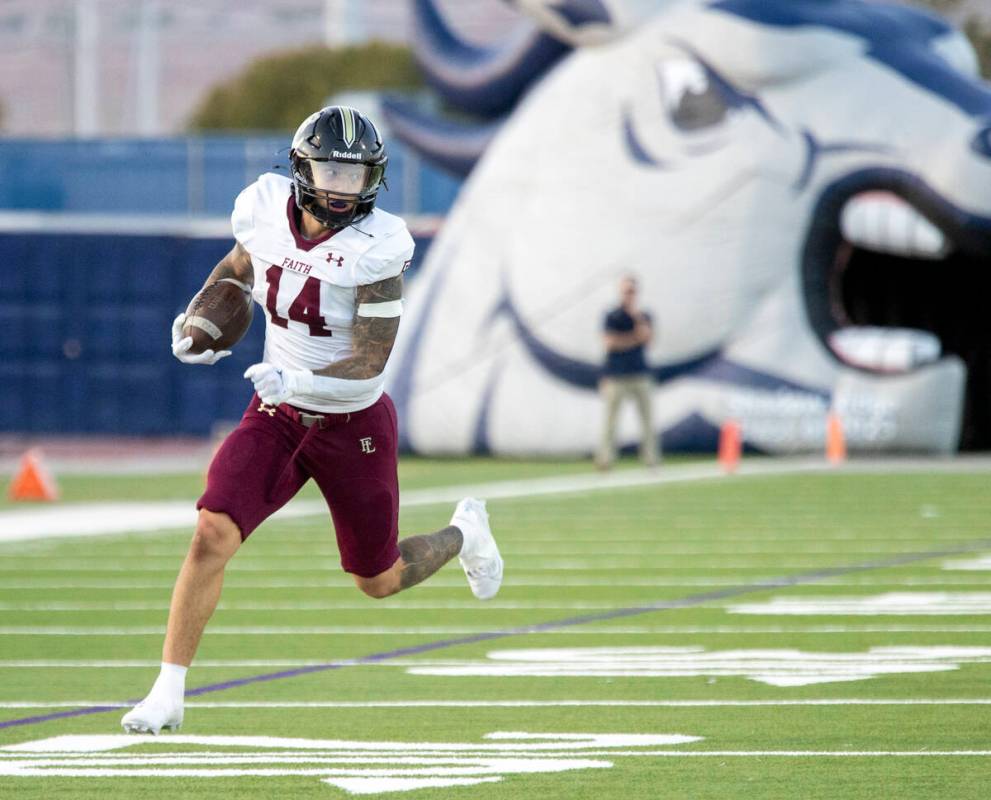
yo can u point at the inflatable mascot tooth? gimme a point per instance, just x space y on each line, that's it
803 187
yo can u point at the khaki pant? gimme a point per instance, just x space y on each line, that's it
614 390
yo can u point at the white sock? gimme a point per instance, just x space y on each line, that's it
171 681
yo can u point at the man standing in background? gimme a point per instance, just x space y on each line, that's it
627 331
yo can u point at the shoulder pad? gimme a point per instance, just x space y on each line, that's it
265 196
391 253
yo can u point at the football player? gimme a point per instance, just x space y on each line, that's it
326 266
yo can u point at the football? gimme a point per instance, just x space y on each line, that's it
218 316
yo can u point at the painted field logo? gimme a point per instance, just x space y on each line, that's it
977 564
354 766
773 667
898 604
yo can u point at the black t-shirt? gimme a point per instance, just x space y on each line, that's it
626 362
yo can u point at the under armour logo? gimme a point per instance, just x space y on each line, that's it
339 260
270 410
366 445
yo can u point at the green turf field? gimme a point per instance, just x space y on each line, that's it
755 661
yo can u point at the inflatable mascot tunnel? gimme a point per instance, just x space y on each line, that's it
802 186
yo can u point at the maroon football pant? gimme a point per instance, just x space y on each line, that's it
266 460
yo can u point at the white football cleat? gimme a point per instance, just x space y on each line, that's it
153 715
479 555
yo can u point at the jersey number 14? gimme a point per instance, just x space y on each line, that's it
305 308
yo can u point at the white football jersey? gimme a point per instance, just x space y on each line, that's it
307 286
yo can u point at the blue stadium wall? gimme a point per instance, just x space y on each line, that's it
85 323
194 176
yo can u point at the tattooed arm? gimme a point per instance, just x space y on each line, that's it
373 333
371 337
236 264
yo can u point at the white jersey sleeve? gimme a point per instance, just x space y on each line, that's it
388 258
243 216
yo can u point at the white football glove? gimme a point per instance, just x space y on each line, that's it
275 386
180 346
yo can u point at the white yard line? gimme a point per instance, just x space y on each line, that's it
603 541
910 604
315 605
321 630
800 753
335 581
95 519
101 519
852 701
294 606
605 538
339 581
608 553
727 563
73 765
316 630
591 630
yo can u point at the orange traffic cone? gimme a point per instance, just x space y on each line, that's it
730 445
33 481
835 441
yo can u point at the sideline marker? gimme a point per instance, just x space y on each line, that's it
730 445
835 440
33 481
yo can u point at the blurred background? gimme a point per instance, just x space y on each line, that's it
127 127
803 189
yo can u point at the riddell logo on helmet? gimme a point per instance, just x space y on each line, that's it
340 154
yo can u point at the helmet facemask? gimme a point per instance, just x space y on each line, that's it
336 193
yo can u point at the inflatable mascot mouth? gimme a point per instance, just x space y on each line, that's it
802 186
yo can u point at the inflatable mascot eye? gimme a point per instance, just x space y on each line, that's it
692 100
981 143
